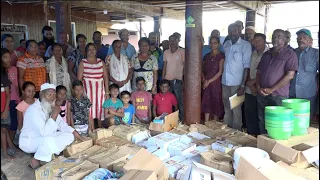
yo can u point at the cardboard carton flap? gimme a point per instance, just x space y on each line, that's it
285 152
311 154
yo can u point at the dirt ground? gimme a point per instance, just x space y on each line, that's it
17 169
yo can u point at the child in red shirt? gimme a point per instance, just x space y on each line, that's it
164 101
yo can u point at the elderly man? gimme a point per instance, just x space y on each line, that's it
249 34
250 103
240 26
63 41
236 70
288 39
102 50
44 132
275 71
126 48
304 84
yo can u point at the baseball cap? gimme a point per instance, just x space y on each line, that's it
46 86
252 28
306 31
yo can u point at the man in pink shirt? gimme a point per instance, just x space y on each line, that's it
173 68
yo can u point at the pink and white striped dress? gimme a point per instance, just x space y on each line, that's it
94 87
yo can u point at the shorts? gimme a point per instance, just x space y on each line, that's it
13 115
5 123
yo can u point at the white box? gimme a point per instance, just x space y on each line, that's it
178 148
141 136
163 140
195 154
161 154
198 136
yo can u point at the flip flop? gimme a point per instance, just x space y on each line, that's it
33 168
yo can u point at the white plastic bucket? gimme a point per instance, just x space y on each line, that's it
254 155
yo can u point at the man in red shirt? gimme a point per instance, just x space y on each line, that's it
164 101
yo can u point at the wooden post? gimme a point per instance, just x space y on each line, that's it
250 18
193 63
140 23
63 19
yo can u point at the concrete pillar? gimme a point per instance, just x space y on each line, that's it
250 18
266 19
193 63
140 23
63 19
156 27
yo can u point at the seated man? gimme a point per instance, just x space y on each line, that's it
44 132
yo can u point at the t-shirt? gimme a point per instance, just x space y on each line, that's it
23 106
175 64
109 104
80 110
14 89
4 83
128 114
142 100
164 103
63 112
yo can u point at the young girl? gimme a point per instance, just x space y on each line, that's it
78 107
5 101
128 108
28 93
61 93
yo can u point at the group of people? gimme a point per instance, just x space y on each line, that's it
52 93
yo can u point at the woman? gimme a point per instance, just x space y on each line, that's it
7 42
77 55
211 79
119 68
93 72
57 69
146 66
31 67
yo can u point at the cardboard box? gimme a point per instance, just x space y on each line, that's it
296 151
309 173
178 148
112 141
224 146
89 152
139 175
217 160
144 160
245 141
269 170
141 136
100 133
195 154
78 146
79 171
174 168
126 132
198 171
200 128
161 154
215 125
163 140
170 121
132 149
53 169
216 133
179 131
118 167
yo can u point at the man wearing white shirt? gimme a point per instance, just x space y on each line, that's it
44 132
236 70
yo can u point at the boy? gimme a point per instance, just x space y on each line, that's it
128 108
165 100
141 100
113 108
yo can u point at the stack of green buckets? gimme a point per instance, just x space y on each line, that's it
292 118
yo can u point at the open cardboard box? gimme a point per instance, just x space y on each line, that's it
297 151
170 122
309 173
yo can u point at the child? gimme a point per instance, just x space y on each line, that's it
28 93
165 100
78 108
128 108
113 108
5 110
141 100
61 93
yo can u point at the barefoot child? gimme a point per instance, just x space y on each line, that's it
61 93
28 93
129 110
78 107
113 108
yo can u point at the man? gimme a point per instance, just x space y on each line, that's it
240 26
250 103
174 59
179 37
236 69
126 48
216 33
304 84
153 48
63 41
42 50
102 50
275 71
165 46
44 132
22 48
288 39
249 34
47 34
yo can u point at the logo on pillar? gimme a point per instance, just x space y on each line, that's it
190 20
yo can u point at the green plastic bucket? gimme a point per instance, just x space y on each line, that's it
301 110
279 126
279 122
279 134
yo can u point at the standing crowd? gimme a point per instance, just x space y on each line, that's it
52 93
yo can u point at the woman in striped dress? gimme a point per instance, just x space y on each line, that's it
93 72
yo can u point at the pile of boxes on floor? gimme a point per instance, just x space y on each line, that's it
196 152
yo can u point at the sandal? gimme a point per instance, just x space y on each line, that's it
34 168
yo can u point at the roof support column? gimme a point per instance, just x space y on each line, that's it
250 18
140 30
63 19
156 27
193 62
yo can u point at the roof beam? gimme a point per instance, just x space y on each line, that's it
132 7
252 5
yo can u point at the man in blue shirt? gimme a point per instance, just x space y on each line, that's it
101 49
126 48
304 84
206 48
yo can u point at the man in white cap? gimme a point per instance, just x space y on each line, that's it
126 48
44 132
249 34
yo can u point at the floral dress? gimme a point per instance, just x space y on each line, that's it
144 69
